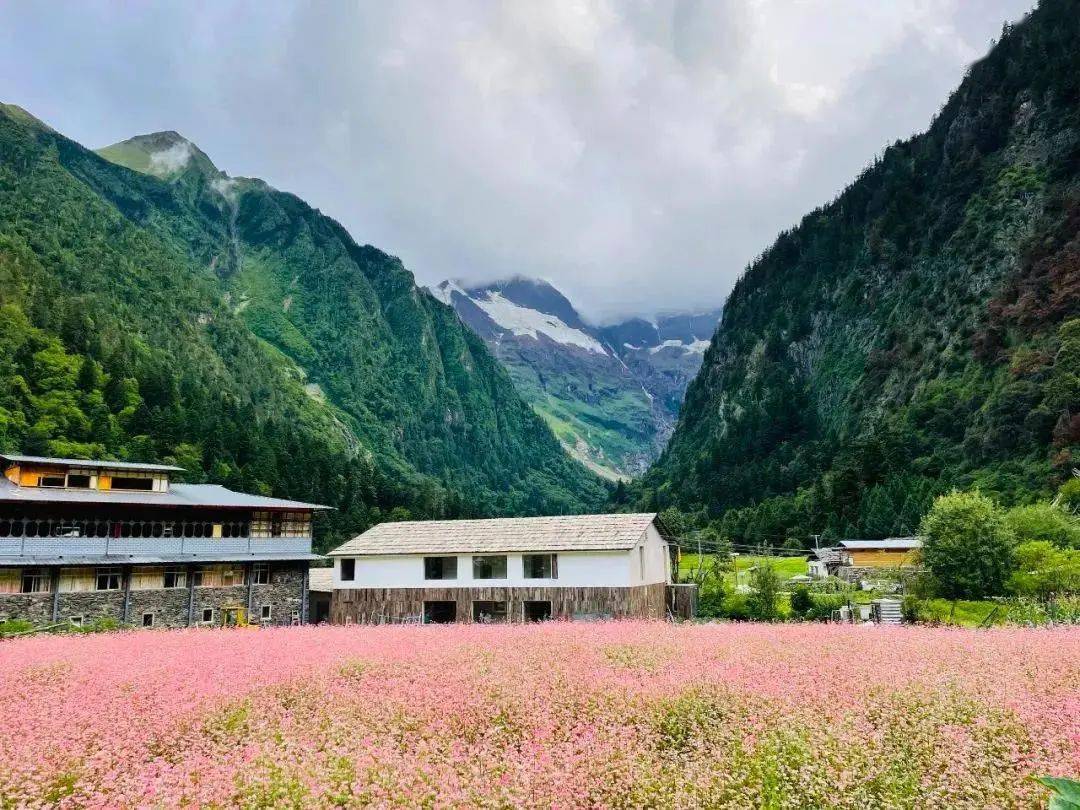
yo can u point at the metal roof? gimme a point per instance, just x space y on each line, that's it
151 559
200 495
888 544
562 533
321 579
92 464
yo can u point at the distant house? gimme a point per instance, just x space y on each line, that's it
824 562
892 552
84 540
505 570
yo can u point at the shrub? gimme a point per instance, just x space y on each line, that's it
764 593
822 606
968 546
801 602
1044 522
1043 569
736 608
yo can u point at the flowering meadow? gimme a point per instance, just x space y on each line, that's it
554 715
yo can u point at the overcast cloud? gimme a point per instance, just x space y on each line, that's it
637 155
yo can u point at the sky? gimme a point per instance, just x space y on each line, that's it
637 155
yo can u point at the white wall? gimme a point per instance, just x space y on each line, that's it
577 569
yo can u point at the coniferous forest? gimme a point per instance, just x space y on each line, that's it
229 328
919 333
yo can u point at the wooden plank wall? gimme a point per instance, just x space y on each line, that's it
393 605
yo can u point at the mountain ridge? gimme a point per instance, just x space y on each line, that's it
904 338
612 405
236 329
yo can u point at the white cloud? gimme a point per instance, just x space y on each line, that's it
636 154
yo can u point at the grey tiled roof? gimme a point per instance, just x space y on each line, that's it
89 464
562 533
205 495
888 544
151 559
828 555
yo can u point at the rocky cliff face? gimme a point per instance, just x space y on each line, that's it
610 394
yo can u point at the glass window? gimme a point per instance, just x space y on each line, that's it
348 570
107 579
260 574
440 567
78 481
540 566
489 567
175 578
35 580
51 481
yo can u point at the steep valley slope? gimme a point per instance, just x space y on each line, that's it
151 307
916 334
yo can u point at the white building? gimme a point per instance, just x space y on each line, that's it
507 569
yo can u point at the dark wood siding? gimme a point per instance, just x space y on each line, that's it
391 605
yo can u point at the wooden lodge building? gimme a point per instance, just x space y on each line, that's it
582 567
87 540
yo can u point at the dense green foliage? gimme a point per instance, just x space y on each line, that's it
233 329
968 546
914 335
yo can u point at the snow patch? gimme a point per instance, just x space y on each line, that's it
445 292
696 347
525 321
171 160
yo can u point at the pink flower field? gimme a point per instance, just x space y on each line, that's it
557 715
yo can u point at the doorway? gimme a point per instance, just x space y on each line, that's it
440 612
536 611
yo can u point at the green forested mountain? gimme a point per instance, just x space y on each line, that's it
160 310
914 334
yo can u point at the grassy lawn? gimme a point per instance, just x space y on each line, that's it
786 567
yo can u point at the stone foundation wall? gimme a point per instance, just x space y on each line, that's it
284 594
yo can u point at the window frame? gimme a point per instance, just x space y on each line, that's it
260 573
110 572
442 559
202 618
181 577
478 560
504 614
552 567
38 576
153 619
351 563
266 613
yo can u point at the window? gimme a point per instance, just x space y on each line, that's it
641 561
35 580
208 616
348 570
75 620
175 578
132 482
260 574
489 612
264 612
51 481
78 481
489 567
148 620
107 579
540 566
440 612
281 524
218 576
536 611
440 567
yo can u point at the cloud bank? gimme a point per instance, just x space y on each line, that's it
637 155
